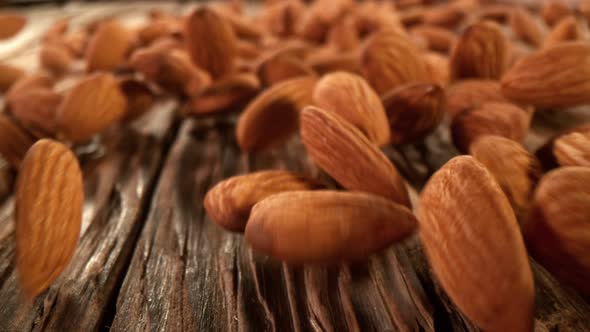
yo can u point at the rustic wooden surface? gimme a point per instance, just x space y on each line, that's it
149 258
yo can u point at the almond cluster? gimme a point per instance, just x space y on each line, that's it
346 79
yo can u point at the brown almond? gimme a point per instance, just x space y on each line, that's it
438 67
279 67
525 27
347 155
557 228
242 26
546 153
229 202
389 60
413 111
555 77
573 149
140 97
447 16
553 11
210 41
158 29
35 108
177 72
565 30
91 106
11 24
374 16
9 74
500 119
343 35
281 18
48 214
481 52
76 43
280 226
438 39
273 116
472 240
14 141
55 58
351 97
108 47
515 169
317 20
468 94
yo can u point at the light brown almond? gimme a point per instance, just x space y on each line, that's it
351 97
557 228
565 30
317 20
242 26
468 94
279 67
91 106
108 47
525 27
35 108
413 111
553 11
178 73
48 214
280 226
281 18
9 74
555 77
76 43
55 58
273 116
472 240
11 24
229 202
546 153
14 141
347 155
573 149
374 16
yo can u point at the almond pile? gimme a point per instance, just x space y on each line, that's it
346 79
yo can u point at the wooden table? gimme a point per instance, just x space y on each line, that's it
149 259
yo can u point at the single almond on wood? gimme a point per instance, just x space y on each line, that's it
323 226
90 107
347 155
108 47
573 149
500 119
48 214
35 108
273 116
14 141
413 110
472 240
11 24
210 41
525 27
555 77
55 58
565 30
351 97
229 202
467 94
553 11
557 228
279 67
9 74
515 169
438 39
481 52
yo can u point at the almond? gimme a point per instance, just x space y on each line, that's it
108 47
389 60
281 18
55 58
273 116
546 153
317 20
373 16
140 97
448 16
9 74
343 152
351 97
14 141
515 169
555 77
241 25
481 52
90 107
525 27
573 149
11 24
472 240
158 29
35 108
500 119
210 41
343 35
177 72
557 228
57 30
328 60
76 43
413 111
553 11
468 94
324 227
279 67
229 202
48 214
566 29
438 39
230 93
438 67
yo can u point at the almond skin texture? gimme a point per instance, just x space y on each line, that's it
11 24
48 214
347 155
229 202
273 117
413 111
14 141
481 52
9 75
555 77
389 60
500 119
525 27
573 149
473 243
108 47
90 107
557 228
351 97
323 226
515 169
210 41
468 94
565 30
